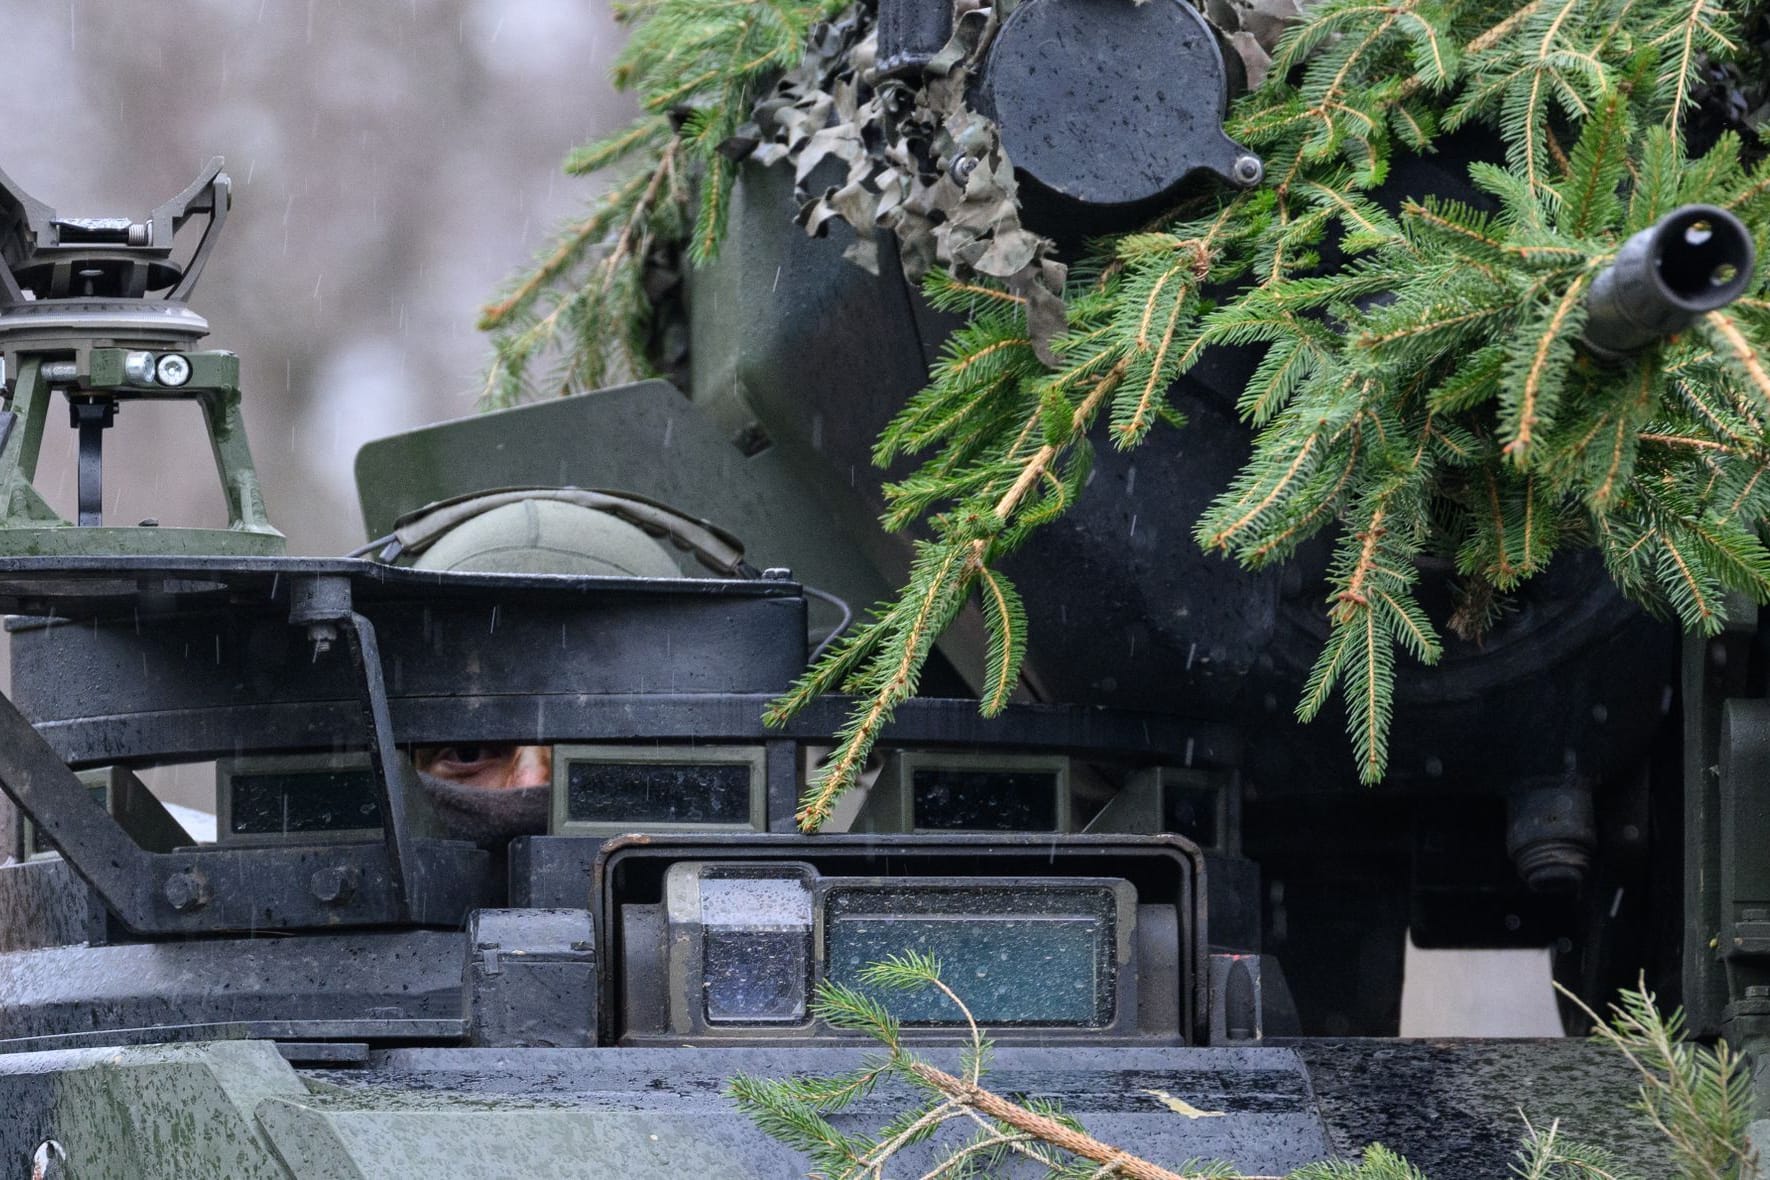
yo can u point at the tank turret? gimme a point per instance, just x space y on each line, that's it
502 871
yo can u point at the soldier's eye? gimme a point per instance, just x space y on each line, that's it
463 759
465 754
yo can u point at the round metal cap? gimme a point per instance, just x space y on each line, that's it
124 321
550 537
1111 104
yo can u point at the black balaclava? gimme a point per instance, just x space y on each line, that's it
490 817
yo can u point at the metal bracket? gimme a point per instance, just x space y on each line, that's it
1714 670
91 416
98 308
95 385
211 889
323 605
404 880
531 979
1744 885
1744 818
1236 1003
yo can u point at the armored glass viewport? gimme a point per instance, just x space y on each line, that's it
1015 952
606 790
755 949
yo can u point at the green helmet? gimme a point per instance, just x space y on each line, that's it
537 536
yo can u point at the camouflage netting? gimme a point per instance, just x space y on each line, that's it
920 162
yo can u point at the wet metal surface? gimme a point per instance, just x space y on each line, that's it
236 1109
382 982
1268 1122
1453 1106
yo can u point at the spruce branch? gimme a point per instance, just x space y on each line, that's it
1007 638
1423 394
1549 355
1687 33
941 579
1043 1128
1695 1098
592 282
1546 1155
1377 1163
1452 411
697 69
793 1110
1698 1098
1741 352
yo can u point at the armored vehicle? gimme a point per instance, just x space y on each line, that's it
1159 896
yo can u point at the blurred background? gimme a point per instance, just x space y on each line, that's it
393 161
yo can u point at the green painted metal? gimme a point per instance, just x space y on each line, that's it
24 508
166 1112
225 1109
772 286
67 540
645 438
550 537
236 1110
442 1135
29 527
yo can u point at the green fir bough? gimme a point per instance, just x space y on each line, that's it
1695 1100
583 315
1422 393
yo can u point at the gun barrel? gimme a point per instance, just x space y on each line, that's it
1693 260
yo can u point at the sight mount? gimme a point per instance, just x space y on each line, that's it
98 309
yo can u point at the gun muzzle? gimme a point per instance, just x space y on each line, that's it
1693 260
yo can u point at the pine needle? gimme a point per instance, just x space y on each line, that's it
1423 394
